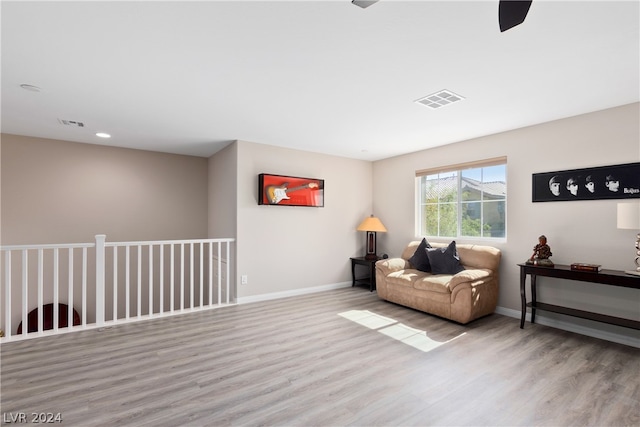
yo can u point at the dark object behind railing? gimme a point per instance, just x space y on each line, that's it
47 318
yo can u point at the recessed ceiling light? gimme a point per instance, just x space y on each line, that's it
439 98
103 135
30 88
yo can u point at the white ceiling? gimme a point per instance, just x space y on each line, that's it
325 76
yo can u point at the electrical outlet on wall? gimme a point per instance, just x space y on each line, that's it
244 279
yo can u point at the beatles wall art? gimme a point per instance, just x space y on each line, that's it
604 182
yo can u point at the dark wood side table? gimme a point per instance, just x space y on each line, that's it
604 277
371 268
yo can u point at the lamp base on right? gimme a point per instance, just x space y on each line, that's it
636 272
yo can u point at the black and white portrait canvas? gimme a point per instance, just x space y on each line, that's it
604 182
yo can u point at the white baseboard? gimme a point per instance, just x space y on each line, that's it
292 293
572 327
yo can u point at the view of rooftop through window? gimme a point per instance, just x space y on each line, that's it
463 203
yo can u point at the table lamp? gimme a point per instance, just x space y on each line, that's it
629 219
371 225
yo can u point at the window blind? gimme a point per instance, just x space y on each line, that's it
462 166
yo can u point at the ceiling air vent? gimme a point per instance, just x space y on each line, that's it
439 99
73 123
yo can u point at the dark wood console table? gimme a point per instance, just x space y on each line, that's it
604 277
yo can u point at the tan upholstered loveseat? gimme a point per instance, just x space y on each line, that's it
462 297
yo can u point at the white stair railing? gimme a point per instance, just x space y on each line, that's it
110 283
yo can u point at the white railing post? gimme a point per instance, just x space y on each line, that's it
7 292
228 276
25 290
40 305
70 294
56 288
84 286
100 278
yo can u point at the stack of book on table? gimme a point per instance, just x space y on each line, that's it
586 267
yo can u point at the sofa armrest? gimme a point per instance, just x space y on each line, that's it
469 276
389 265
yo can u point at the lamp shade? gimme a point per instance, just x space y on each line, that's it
629 216
372 224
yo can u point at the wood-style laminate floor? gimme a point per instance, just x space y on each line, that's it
333 358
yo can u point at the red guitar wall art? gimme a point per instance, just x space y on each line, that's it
277 193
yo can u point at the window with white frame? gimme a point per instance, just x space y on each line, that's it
468 200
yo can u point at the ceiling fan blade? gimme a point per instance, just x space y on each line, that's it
512 13
364 3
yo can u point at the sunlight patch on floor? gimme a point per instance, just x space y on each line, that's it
410 336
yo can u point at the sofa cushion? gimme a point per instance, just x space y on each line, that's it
404 277
420 259
469 276
477 256
445 260
438 283
389 265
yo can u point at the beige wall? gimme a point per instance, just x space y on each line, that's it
579 231
223 192
223 196
287 248
65 192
